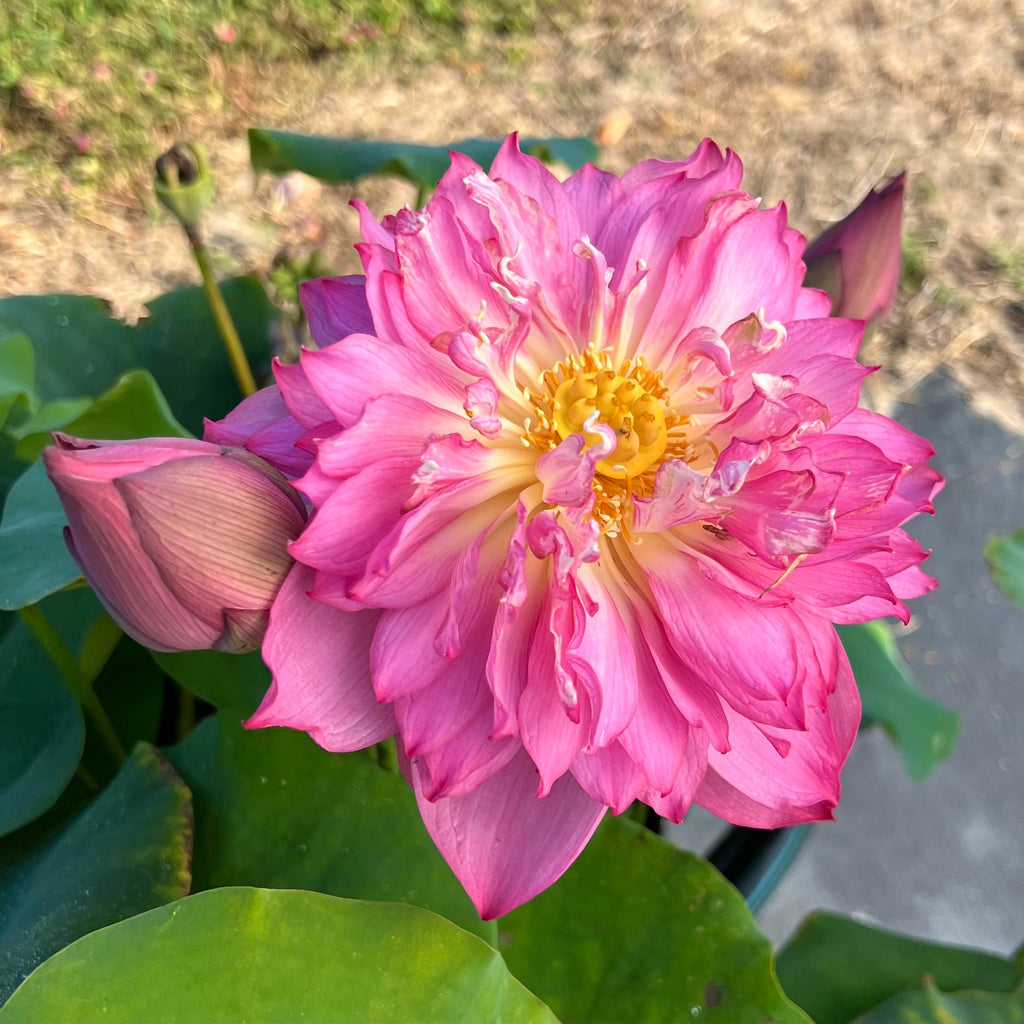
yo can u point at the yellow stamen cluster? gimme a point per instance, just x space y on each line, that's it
630 398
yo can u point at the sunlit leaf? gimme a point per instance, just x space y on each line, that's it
269 955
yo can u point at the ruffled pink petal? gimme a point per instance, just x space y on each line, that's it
523 580
359 369
298 395
567 471
662 209
610 776
416 559
430 716
446 275
601 662
390 427
812 304
320 661
704 160
504 844
595 195
761 785
677 499
657 735
742 261
892 438
336 307
553 717
674 801
447 724
341 536
247 418
710 629
467 761
264 425
535 240
384 294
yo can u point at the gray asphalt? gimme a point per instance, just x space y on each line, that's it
943 859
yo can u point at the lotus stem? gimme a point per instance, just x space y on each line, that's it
67 665
225 325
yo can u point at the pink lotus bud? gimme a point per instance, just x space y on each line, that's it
185 542
857 261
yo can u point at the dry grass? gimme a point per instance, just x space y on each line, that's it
821 105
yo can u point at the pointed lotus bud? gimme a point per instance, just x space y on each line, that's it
857 261
185 542
183 182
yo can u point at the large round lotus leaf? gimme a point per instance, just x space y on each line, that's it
276 955
637 930
274 810
126 852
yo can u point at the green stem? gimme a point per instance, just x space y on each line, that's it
68 666
186 712
87 777
638 812
232 343
387 756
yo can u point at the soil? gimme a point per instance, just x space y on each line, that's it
821 101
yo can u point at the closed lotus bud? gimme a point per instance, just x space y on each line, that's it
857 261
185 542
183 182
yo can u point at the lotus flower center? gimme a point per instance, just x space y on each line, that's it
620 402
586 389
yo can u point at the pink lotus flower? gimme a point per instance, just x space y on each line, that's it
857 261
184 542
591 486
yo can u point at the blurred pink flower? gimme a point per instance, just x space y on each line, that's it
102 72
591 486
184 542
225 31
149 77
857 261
83 143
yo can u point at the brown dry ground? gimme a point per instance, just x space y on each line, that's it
822 101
